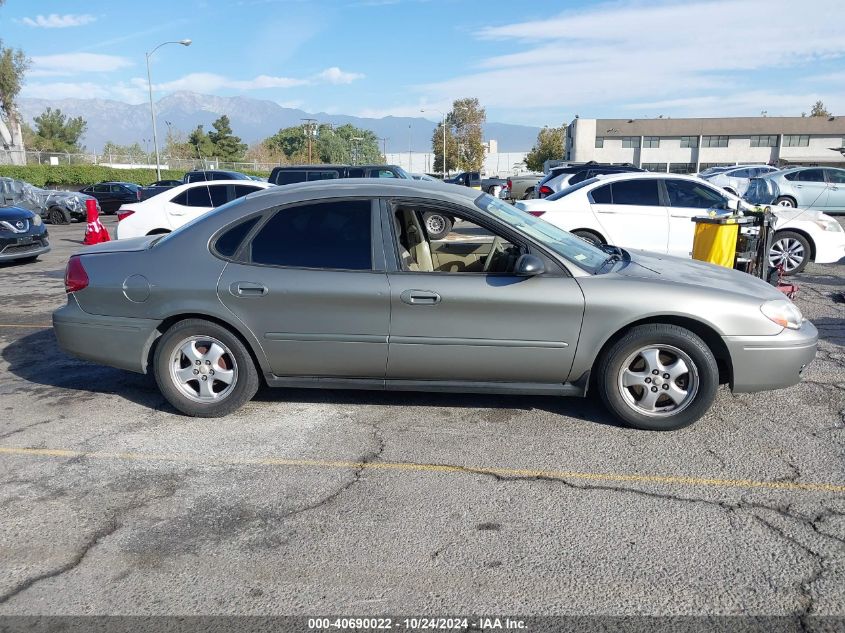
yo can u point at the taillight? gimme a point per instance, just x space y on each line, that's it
545 190
75 276
123 214
536 214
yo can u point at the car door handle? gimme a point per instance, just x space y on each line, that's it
248 289
420 297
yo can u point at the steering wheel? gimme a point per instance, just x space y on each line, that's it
491 256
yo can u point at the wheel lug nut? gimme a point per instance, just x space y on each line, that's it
196 371
198 362
211 371
655 372
653 388
206 378
648 379
666 376
208 362
665 386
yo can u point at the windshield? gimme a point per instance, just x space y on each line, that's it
567 190
402 173
573 249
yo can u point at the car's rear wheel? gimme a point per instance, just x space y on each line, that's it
589 236
58 216
786 201
658 377
204 370
791 251
437 225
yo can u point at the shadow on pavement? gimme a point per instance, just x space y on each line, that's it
37 359
830 329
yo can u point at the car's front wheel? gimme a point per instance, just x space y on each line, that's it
204 370
790 251
658 377
58 216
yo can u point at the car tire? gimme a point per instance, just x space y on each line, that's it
790 250
589 236
626 380
787 201
208 395
437 225
529 194
57 215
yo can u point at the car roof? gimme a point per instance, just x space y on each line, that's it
330 166
210 183
370 187
644 175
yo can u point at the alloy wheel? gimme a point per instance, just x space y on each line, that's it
203 369
658 380
787 252
435 224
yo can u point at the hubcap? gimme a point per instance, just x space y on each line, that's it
788 253
435 224
658 380
203 369
786 203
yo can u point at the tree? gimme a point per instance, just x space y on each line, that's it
56 132
818 109
175 146
342 144
467 118
227 146
134 151
13 65
550 145
201 144
291 142
264 152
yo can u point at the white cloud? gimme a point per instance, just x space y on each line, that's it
210 82
335 75
56 21
646 55
68 64
65 90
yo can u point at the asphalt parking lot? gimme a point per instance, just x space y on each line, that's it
342 502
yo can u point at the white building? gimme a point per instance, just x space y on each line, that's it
690 145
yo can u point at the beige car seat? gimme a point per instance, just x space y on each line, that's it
414 250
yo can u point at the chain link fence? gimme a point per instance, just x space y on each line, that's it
130 161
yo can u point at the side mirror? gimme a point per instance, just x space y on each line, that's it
733 205
529 265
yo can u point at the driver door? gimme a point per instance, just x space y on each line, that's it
458 313
688 199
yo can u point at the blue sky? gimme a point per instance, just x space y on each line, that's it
536 63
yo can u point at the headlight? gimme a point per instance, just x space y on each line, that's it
829 224
36 219
783 312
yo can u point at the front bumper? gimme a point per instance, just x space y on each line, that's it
830 246
764 363
21 246
114 341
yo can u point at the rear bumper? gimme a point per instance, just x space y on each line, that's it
764 363
115 341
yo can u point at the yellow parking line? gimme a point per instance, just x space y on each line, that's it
438 468
25 325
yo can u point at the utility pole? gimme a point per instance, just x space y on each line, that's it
384 146
410 162
356 147
310 127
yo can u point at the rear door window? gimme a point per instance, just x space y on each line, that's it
639 192
322 175
836 176
811 175
333 235
290 177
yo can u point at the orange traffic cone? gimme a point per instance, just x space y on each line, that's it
95 232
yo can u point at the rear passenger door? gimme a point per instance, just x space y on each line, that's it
195 201
631 214
687 199
835 189
811 190
310 285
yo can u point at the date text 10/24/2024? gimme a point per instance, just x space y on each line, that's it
416 624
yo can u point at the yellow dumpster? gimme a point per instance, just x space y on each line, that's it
715 240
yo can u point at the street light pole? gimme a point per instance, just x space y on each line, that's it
444 137
152 107
357 147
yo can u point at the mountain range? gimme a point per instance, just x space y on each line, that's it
252 120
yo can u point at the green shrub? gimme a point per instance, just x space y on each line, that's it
83 175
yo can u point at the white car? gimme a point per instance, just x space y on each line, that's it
654 212
735 180
174 207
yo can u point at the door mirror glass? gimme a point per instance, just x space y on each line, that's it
529 265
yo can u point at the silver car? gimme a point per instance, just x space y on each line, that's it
819 188
736 179
337 285
55 207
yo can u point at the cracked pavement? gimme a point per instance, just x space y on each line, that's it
149 533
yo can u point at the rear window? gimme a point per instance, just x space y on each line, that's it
332 235
601 195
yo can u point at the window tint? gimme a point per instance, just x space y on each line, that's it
228 243
579 177
322 175
243 190
601 195
636 192
323 235
289 177
101 188
386 173
685 193
836 176
198 197
811 175
742 173
355 172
